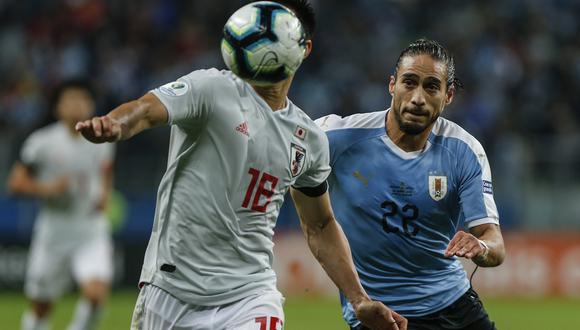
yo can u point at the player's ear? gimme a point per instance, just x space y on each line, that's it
308 48
392 81
450 95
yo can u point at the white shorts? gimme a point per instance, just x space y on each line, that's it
50 266
156 309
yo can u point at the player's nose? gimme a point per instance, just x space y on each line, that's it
418 98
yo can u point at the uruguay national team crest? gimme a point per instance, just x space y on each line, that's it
437 187
297 157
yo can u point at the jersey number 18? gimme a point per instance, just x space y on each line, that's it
262 190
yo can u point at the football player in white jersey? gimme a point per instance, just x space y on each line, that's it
235 150
72 179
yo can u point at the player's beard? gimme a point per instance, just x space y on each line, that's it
414 128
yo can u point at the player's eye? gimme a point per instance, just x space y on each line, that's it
408 82
433 87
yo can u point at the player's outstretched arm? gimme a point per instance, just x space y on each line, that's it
22 181
330 247
483 245
125 121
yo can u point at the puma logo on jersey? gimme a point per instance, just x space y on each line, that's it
243 128
361 178
323 124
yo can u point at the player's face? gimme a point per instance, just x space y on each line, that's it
74 105
419 93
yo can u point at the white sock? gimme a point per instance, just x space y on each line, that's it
86 316
31 322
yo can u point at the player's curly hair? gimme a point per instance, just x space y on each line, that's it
305 13
436 51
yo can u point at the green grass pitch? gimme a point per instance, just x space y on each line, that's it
316 313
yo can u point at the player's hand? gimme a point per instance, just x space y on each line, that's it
376 316
100 129
102 203
465 245
55 188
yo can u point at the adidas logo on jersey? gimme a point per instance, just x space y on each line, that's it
243 128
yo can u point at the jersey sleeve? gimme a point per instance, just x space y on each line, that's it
319 168
475 188
338 141
188 99
329 124
31 152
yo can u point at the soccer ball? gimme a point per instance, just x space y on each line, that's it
264 43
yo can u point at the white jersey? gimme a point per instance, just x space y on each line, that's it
231 160
53 152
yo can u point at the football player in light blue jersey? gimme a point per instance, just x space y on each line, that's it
404 182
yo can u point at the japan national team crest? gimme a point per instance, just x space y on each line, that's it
437 187
297 156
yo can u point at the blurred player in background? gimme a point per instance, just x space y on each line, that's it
72 178
235 150
403 182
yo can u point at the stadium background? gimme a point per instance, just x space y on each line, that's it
519 61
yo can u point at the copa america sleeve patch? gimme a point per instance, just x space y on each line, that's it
176 88
487 187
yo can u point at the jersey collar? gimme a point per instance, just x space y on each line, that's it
263 102
398 151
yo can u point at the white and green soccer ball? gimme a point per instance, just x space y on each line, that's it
264 43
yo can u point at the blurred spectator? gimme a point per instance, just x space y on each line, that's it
519 59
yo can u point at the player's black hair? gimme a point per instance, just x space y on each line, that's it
74 83
305 13
437 52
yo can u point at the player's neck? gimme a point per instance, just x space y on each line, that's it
275 95
407 142
70 127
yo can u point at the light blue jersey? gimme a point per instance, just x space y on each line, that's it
399 210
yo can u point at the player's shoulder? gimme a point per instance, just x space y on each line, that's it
41 141
453 136
305 126
211 73
367 120
46 133
346 132
211 78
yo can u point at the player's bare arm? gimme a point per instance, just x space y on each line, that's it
22 181
107 182
483 245
125 121
330 247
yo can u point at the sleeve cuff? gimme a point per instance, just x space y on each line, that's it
161 99
482 221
